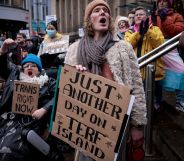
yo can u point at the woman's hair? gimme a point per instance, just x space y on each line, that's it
89 28
169 2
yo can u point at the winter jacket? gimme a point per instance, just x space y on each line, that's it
172 25
16 126
18 53
54 59
151 40
10 73
124 67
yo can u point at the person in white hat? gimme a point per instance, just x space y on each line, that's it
123 26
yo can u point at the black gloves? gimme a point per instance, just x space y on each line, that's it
144 26
163 13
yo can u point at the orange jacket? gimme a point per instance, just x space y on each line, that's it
172 25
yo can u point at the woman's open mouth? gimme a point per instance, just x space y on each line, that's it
30 73
103 20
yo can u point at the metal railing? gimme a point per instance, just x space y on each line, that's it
159 51
149 86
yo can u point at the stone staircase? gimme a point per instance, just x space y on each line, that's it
168 132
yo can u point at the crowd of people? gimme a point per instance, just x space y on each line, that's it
109 49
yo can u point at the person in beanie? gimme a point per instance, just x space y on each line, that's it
123 26
98 53
51 60
12 145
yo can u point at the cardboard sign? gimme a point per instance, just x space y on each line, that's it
50 18
25 98
90 112
58 46
26 32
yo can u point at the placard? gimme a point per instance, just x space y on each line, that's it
90 112
58 46
25 98
50 18
26 32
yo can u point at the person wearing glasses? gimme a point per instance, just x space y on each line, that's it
12 144
122 26
17 49
144 38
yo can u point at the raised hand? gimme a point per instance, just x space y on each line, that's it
6 44
144 26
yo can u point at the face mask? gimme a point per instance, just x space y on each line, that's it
51 33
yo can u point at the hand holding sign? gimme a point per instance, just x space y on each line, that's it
90 112
38 114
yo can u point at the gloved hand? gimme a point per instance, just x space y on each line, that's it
163 13
135 145
144 26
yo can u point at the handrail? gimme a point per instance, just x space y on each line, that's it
158 55
176 38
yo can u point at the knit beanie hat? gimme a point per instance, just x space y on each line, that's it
32 58
122 18
92 5
53 23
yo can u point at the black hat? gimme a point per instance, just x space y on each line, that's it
53 23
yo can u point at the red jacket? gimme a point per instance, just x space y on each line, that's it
172 25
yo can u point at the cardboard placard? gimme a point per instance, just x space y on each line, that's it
50 18
90 111
58 46
25 98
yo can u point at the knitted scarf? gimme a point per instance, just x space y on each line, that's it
91 53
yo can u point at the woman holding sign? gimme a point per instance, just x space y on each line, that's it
12 126
99 53
53 49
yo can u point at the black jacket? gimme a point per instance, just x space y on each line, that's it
11 72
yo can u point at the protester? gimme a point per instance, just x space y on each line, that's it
123 26
144 38
131 16
50 57
97 53
12 145
171 24
17 49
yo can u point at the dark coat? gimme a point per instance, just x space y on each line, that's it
11 128
17 53
10 73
